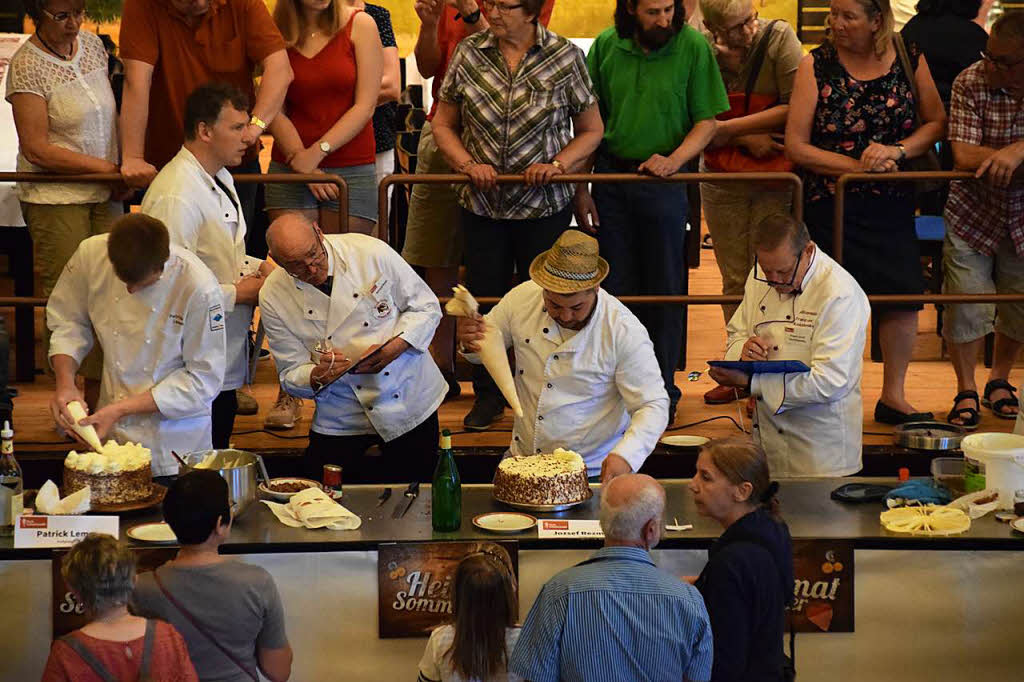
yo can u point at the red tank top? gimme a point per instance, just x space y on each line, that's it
323 89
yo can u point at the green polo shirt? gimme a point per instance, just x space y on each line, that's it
650 102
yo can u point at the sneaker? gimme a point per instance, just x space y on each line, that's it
285 412
484 413
247 405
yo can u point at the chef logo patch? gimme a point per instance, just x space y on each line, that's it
177 319
383 309
216 318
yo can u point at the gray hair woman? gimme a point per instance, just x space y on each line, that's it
100 573
66 119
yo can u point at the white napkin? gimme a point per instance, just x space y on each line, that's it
313 508
48 501
968 503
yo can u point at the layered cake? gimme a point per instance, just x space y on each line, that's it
556 478
121 474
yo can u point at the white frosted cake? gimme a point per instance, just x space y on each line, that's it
119 475
556 478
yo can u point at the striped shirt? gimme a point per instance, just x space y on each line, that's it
615 617
513 120
980 214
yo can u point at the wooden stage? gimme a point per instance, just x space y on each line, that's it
930 386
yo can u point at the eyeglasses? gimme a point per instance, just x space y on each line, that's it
771 283
316 256
999 63
737 29
61 17
503 10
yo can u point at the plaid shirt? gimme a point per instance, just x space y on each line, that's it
513 120
980 214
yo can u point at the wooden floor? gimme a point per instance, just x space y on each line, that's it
930 386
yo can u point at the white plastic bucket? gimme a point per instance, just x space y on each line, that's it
1003 456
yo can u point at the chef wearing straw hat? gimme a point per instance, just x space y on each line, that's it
585 372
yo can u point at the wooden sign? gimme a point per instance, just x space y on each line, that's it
823 587
415 582
68 612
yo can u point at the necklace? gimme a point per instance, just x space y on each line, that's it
47 46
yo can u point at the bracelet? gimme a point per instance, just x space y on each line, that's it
559 165
258 122
466 164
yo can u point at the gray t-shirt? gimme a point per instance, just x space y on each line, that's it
235 602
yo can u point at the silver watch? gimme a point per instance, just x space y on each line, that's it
325 146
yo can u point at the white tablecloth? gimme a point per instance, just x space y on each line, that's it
10 210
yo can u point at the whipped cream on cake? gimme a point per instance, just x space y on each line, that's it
555 478
118 475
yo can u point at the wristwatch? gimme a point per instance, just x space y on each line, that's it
325 146
903 150
258 122
559 165
471 18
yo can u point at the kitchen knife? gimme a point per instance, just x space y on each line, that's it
410 496
384 496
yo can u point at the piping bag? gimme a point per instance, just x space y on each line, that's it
492 346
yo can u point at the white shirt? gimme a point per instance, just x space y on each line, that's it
375 296
809 423
80 108
596 391
436 664
205 219
167 339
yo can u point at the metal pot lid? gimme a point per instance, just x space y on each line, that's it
929 435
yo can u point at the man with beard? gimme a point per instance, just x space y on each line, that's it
659 90
585 370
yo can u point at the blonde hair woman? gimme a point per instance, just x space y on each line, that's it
856 107
115 645
748 580
336 55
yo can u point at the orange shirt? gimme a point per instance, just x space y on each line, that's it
226 45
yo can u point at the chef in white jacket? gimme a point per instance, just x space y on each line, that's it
333 299
158 313
586 374
194 195
799 304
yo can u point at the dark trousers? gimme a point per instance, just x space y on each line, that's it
641 236
223 417
410 457
497 249
250 195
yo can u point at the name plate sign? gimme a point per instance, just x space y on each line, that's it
564 528
36 530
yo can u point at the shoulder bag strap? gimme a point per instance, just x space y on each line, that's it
206 633
90 659
756 62
147 651
901 52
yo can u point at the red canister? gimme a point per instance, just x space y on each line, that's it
332 476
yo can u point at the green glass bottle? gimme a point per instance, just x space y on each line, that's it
446 491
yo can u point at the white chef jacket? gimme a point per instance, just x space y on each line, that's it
207 221
809 423
375 296
167 338
596 391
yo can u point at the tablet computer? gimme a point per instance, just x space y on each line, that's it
762 366
366 357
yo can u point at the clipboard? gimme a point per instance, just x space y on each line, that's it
762 366
366 356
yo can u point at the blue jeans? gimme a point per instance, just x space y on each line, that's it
641 235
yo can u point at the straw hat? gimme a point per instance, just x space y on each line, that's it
571 265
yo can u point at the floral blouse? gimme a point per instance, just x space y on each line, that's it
851 114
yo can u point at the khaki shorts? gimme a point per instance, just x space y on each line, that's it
433 233
57 230
967 271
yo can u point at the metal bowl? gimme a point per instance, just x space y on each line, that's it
241 469
929 435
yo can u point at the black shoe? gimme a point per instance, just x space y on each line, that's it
454 389
672 412
484 413
888 415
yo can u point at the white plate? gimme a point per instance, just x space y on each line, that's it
504 522
680 441
152 532
284 497
1018 524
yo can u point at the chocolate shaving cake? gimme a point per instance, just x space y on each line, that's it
557 478
121 474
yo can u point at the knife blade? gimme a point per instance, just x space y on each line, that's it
410 496
384 496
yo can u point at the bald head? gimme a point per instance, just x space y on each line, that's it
294 244
628 504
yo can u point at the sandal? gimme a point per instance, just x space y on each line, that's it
998 405
970 416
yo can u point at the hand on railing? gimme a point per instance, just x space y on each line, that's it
137 173
1001 166
880 158
541 173
482 175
